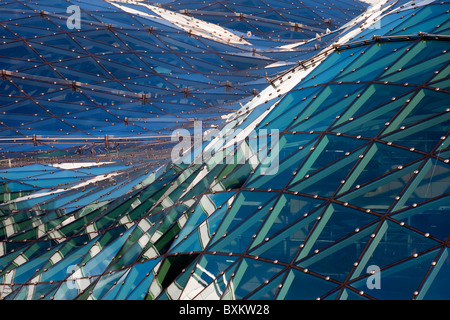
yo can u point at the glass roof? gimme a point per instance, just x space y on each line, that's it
352 194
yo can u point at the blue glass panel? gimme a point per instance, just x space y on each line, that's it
298 279
400 281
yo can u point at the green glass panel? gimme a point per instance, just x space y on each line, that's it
329 102
424 136
371 62
431 182
289 143
423 104
441 85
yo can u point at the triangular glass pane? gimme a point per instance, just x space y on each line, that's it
284 172
289 143
432 217
418 73
326 182
326 70
424 136
370 123
400 281
380 194
142 290
437 283
325 116
326 99
238 238
112 292
370 61
442 74
105 283
392 243
252 273
335 224
422 105
432 182
200 236
284 245
247 204
375 95
379 160
288 209
299 285
289 107
422 50
267 291
337 261
134 277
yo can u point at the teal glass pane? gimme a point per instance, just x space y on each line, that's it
93 207
298 279
284 171
392 243
434 287
267 291
400 281
247 204
370 62
430 217
338 261
336 223
134 277
288 210
259 271
105 282
380 194
371 122
284 245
